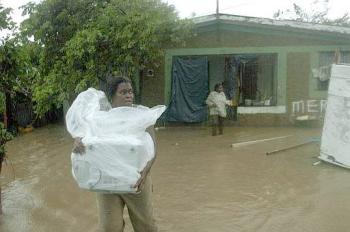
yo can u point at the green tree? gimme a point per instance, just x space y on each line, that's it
5 64
5 19
2 103
83 40
4 137
4 24
15 76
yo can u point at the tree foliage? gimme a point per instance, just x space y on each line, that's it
81 41
16 77
319 14
14 68
2 103
5 19
4 137
4 24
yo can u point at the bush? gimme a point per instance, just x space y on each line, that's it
2 104
5 136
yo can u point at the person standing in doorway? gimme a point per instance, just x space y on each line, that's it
217 102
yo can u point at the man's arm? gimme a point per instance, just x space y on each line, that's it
210 101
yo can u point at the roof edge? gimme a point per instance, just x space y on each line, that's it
271 22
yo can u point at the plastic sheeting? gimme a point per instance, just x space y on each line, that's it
335 143
117 145
189 90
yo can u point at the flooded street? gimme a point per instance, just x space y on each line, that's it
201 183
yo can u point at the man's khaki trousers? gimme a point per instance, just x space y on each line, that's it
140 208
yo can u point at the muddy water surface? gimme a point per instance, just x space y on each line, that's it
201 183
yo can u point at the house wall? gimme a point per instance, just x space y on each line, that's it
216 70
152 88
296 56
229 38
298 70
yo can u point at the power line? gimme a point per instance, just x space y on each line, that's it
245 3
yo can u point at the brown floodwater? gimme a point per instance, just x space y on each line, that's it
201 183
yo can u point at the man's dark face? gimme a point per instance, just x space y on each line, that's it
220 89
124 96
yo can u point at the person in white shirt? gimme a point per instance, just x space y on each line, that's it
217 102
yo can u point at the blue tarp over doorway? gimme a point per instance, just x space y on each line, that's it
189 90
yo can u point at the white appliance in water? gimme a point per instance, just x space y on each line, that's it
335 143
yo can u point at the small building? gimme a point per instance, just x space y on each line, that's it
272 70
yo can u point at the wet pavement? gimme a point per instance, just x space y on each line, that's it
201 183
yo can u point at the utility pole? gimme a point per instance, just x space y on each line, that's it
217 8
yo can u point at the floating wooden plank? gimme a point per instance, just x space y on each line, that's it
258 141
289 148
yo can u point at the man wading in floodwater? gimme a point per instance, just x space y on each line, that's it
111 206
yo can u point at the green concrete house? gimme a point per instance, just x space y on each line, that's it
273 70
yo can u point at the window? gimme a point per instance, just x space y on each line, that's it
257 80
323 73
249 79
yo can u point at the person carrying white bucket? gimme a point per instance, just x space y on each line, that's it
113 153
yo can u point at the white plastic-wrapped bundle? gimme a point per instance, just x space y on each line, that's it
117 145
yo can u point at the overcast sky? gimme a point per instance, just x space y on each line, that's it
257 8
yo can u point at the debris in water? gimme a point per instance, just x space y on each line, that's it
291 147
258 141
316 163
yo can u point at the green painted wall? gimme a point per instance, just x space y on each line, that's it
282 53
227 38
296 56
216 70
152 88
298 67
281 78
